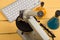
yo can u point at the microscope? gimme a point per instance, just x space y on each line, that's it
29 28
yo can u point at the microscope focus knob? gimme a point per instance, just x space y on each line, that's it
23 26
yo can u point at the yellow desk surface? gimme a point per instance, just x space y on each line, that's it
6 27
4 3
10 37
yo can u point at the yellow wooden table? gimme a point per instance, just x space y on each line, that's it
4 3
6 27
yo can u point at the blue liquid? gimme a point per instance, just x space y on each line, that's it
53 23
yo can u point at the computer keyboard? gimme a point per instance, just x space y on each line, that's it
12 11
